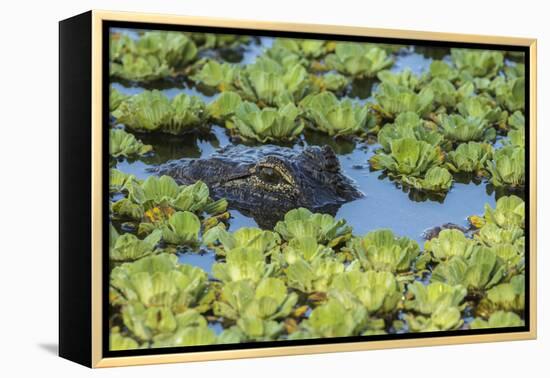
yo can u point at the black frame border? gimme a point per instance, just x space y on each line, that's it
107 25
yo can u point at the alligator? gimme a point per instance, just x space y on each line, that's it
267 181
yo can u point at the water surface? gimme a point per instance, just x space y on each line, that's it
385 204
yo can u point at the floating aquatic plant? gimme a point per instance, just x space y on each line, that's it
500 319
336 118
481 108
267 82
508 296
242 264
509 212
442 70
182 228
516 120
152 111
267 124
436 179
143 281
224 106
308 48
156 199
442 319
427 299
323 227
305 247
470 157
459 129
245 237
314 276
407 125
127 247
481 270
117 341
332 319
478 63
405 78
358 59
125 144
218 41
450 243
508 167
379 292
382 250
269 300
115 99
331 81
155 289
407 157
392 100
217 75
516 138
156 55
191 329
119 181
445 93
492 235
511 94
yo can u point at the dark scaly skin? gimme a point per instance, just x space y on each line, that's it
265 182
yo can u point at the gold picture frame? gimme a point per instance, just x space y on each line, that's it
92 24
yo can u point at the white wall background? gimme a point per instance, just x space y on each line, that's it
28 185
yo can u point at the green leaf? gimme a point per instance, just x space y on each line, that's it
241 264
155 55
480 271
192 329
437 179
499 319
408 157
323 227
377 291
313 276
478 63
381 250
124 144
152 111
267 124
336 118
509 212
407 125
405 78
508 167
470 157
333 319
465 129
215 74
183 227
433 297
509 296
224 106
358 59
392 100
450 243
128 247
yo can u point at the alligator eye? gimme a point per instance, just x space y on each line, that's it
269 175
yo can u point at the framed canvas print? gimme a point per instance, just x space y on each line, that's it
234 189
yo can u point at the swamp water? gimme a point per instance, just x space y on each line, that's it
384 205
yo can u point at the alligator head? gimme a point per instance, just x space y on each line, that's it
265 182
